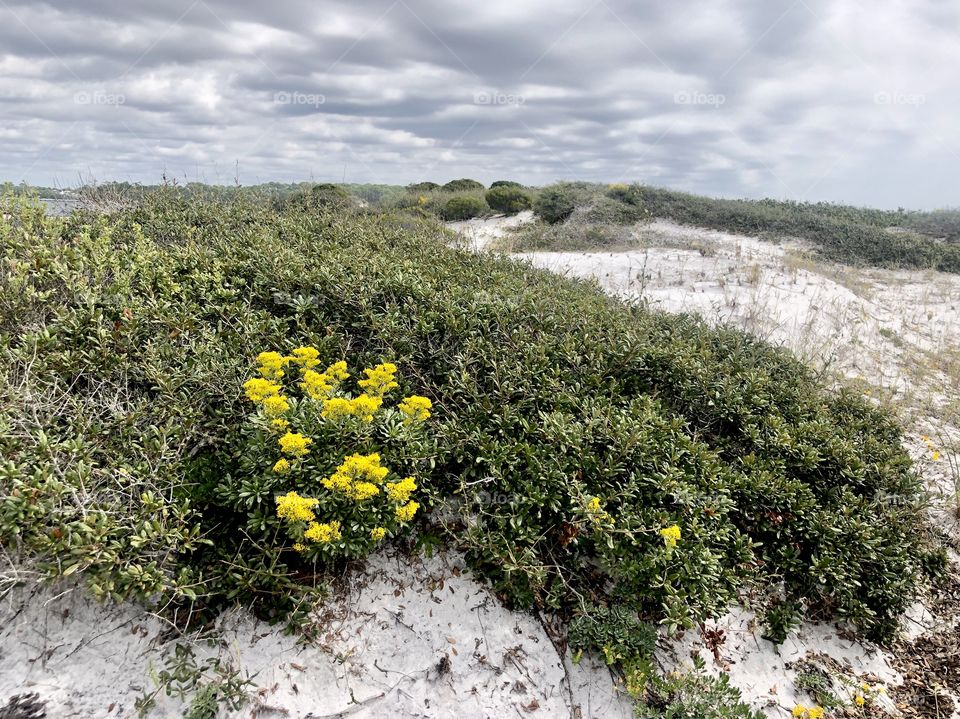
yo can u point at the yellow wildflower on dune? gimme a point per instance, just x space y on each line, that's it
305 357
295 444
378 533
337 371
365 406
406 512
280 425
400 491
271 364
379 380
363 490
291 506
315 384
671 536
415 408
282 466
276 405
258 389
323 533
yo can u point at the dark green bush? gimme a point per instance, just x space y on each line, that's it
320 197
463 185
421 187
504 183
595 427
463 207
508 199
555 203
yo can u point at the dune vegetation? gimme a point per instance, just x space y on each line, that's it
622 469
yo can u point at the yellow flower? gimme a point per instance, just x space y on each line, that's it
594 504
276 405
282 466
297 547
295 508
859 699
322 533
814 713
364 407
295 444
363 490
258 389
379 379
337 407
271 364
670 536
936 455
357 469
798 711
378 533
337 371
415 408
280 425
400 491
316 385
306 357
406 512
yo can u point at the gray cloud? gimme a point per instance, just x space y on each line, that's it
811 99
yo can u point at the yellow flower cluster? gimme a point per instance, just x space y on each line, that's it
671 536
400 491
596 513
315 384
865 694
323 533
295 444
415 408
282 466
295 508
378 533
275 406
406 512
364 406
271 364
801 711
379 380
259 389
358 477
305 357
934 452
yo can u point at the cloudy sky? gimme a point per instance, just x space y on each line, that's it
845 100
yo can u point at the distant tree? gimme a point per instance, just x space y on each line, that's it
464 185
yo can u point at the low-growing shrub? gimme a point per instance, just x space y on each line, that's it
639 461
463 207
463 185
422 187
504 183
508 199
555 203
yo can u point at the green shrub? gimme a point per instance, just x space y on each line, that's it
463 207
422 187
640 461
504 183
320 197
508 199
694 695
555 203
463 185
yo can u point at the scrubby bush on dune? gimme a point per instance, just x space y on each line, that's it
320 197
556 203
463 207
508 199
463 185
504 183
420 187
580 450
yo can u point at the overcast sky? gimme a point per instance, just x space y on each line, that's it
845 100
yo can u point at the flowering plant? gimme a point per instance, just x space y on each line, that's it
327 501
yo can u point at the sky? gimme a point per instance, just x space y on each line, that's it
851 101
